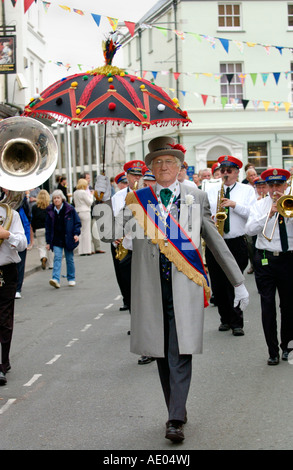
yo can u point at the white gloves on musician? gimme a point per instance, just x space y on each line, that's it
241 297
103 185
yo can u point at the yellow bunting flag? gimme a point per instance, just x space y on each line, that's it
266 104
65 8
113 22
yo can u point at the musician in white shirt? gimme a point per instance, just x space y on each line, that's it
12 241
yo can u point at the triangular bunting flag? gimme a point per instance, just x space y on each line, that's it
13 2
251 44
46 6
224 101
79 12
163 30
65 8
211 40
197 36
240 45
276 105
176 75
255 104
245 103
268 49
204 98
131 27
183 92
229 77
276 76
154 74
287 106
264 77
27 4
242 77
97 18
280 49
113 22
266 104
225 44
180 34
253 77
144 73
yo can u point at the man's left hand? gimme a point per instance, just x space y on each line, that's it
241 297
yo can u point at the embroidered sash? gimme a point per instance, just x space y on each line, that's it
167 233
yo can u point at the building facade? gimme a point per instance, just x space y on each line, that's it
230 65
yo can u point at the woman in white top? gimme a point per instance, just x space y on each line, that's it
83 200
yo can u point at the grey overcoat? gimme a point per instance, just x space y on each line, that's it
147 333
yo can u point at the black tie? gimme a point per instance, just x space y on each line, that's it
165 195
283 233
227 221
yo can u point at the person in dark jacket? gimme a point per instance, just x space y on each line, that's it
62 233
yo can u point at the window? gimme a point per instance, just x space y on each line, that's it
287 154
231 86
290 15
229 15
258 155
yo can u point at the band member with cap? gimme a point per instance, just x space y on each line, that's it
216 172
121 180
182 175
237 200
273 263
170 288
261 187
148 177
12 241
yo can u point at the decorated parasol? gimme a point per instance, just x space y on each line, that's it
107 94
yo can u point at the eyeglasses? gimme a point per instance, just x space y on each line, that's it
168 163
275 183
228 169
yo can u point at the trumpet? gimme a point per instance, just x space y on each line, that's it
284 208
120 251
221 215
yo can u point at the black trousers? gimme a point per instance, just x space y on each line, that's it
274 277
221 286
123 275
7 300
174 369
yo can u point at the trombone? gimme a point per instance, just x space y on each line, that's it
284 208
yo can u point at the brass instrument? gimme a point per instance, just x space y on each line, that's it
28 157
121 252
284 208
221 215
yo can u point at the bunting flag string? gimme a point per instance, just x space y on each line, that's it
225 42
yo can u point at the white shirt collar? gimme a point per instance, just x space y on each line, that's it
175 188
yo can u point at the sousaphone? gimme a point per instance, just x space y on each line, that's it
28 157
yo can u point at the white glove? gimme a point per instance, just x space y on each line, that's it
241 297
103 185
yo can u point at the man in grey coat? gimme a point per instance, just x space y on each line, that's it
169 290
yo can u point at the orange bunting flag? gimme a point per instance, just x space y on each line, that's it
131 26
79 12
113 22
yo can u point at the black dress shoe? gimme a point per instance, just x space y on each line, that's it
145 360
3 380
174 431
273 361
124 307
224 327
285 355
238 332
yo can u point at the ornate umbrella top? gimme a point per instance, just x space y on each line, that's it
107 94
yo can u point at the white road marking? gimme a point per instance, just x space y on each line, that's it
98 316
32 380
55 358
7 405
86 327
71 342
118 297
108 306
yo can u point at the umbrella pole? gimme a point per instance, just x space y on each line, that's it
104 150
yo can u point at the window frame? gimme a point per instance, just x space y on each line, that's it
233 16
235 82
251 159
290 15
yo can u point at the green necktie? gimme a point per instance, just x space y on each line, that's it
227 221
283 234
165 195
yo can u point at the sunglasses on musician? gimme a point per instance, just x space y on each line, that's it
226 168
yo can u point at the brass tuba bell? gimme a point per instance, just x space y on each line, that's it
28 157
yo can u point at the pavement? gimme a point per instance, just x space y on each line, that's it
33 262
